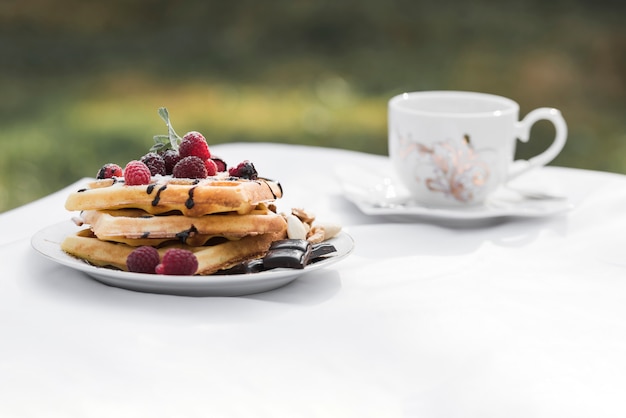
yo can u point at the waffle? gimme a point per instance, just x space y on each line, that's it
226 219
136 227
222 220
85 245
188 197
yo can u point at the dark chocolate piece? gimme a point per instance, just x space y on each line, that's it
246 267
322 249
288 253
297 244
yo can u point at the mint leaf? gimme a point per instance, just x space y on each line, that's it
169 141
161 143
165 115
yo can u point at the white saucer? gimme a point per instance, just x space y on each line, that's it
48 243
376 191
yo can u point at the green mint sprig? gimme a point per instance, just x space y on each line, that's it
169 141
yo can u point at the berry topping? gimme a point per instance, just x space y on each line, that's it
109 170
143 260
221 164
191 168
194 143
136 173
170 157
155 163
178 261
211 167
244 170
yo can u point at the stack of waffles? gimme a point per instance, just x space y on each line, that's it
222 220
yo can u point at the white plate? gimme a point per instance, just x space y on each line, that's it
48 242
376 191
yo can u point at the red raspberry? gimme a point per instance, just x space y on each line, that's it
193 143
136 173
143 260
221 164
190 167
178 261
170 157
155 163
109 170
244 170
211 167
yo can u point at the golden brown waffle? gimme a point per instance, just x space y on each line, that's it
166 194
211 259
136 227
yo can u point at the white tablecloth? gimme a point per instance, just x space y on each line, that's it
510 318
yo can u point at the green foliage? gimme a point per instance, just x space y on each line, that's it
82 89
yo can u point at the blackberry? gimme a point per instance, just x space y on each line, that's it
155 163
170 157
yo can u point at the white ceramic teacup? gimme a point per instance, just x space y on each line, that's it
453 148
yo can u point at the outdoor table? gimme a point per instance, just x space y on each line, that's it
502 316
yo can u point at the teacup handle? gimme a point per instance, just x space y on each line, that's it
523 134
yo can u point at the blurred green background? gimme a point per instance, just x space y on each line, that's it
81 81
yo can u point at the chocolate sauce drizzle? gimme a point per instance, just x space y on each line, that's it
183 235
158 195
265 181
190 203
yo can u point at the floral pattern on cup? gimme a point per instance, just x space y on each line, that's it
458 170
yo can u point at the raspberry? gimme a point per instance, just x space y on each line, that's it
136 173
109 170
143 260
244 170
155 163
190 167
178 261
193 143
221 164
211 167
170 157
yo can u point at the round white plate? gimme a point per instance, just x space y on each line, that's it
48 243
376 191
